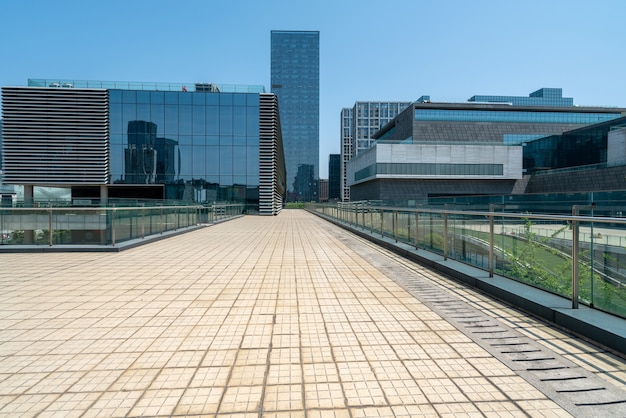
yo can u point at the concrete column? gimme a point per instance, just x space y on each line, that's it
104 194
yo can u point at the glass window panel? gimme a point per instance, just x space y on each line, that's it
213 99
239 99
252 140
143 112
143 97
226 180
226 120
239 160
226 140
226 160
252 161
184 164
185 98
252 121
184 119
129 96
212 120
212 140
117 162
199 162
129 114
252 99
171 120
115 118
115 96
171 98
157 116
185 140
157 97
199 99
198 120
239 121
199 140
212 159
240 179
226 99
252 181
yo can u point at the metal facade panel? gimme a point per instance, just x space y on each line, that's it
55 135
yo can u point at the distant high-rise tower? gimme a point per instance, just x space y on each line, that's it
295 81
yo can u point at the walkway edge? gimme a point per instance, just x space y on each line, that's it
593 325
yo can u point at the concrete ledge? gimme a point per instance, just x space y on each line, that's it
599 327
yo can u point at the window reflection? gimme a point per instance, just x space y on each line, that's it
202 146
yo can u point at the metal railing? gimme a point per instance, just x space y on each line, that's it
582 258
103 225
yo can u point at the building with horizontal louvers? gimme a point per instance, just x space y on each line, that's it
175 141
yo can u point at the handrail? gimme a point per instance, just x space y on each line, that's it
106 225
418 224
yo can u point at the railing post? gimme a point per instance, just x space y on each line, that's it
113 226
574 258
382 223
49 225
371 221
162 225
416 228
395 225
143 223
445 236
363 212
491 240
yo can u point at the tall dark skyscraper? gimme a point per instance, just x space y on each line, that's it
295 81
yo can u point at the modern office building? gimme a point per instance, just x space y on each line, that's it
445 149
295 79
358 126
334 176
146 140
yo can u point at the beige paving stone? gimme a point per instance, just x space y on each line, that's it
28 405
199 401
277 315
70 405
364 393
324 395
283 398
157 402
286 374
114 404
241 399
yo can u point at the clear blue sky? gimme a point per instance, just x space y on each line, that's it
369 50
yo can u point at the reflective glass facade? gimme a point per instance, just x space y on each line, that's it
580 147
513 116
202 146
295 81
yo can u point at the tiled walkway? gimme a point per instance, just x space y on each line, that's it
283 316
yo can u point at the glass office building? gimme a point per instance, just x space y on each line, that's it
295 81
190 142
